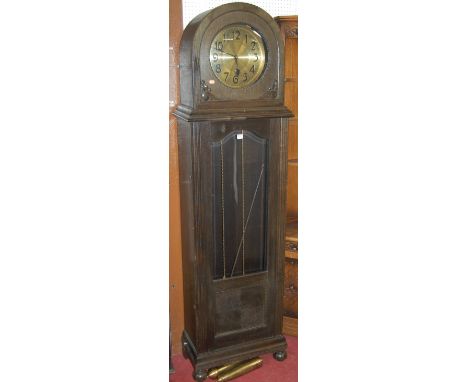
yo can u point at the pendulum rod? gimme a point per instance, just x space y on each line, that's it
222 209
247 221
243 203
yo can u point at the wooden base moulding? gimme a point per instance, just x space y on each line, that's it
236 353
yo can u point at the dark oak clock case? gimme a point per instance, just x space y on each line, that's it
233 168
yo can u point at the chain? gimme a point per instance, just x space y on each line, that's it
222 208
243 203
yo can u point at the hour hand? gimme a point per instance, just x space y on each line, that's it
229 54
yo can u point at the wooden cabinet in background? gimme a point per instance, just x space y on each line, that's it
289 30
290 294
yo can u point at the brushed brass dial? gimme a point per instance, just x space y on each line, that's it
237 56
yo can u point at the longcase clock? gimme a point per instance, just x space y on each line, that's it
232 135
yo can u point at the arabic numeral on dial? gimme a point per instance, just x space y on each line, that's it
252 69
215 56
246 39
219 45
218 68
235 79
256 56
245 77
253 44
237 35
227 75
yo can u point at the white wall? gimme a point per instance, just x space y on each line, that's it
192 8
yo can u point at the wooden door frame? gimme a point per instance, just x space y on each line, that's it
176 297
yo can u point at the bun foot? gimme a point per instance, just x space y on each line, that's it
200 375
280 355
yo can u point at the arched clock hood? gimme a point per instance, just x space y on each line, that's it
202 95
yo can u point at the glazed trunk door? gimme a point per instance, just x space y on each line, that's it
239 211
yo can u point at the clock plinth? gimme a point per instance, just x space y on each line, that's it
232 138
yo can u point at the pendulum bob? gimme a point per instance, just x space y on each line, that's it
216 371
240 369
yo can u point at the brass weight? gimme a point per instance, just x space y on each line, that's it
240 369
214 372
